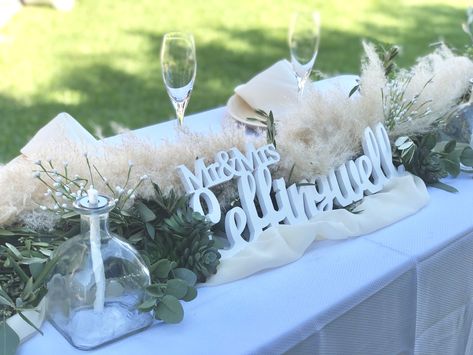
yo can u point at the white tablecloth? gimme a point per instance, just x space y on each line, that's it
405 289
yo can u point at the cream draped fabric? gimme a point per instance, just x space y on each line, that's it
275 89
277 246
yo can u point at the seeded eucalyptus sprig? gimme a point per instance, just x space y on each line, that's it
431 160
170 285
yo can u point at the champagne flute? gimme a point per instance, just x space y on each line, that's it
304 37
179 65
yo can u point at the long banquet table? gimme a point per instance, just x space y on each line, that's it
407 288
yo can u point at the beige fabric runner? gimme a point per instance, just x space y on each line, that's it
277 246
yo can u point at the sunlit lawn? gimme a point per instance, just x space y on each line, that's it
100 62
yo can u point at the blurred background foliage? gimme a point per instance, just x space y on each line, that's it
100 62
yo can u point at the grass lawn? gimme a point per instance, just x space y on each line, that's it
100 62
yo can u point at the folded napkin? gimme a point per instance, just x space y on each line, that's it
62 134
273 89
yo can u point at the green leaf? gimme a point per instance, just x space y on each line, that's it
40 244
291 172
261 112
408 154
450 146
257 119
161 268
69 215
429 141
170 310
38 282
466 157
451 166
33 260
5 299
176 288
6 233
445 187
30 322
145 213
353 90
28 290
125 213
46 252
35 269
147 305
14 250
190 295
18 269
154 290
151 230
401 140
9 340
135 238
406 145
186 275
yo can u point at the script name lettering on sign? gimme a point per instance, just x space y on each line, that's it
291 205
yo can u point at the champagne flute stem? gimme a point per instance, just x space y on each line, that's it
180 108
301 81
300 86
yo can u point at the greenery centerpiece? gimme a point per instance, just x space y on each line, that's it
181 247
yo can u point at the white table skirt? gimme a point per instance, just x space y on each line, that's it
405 289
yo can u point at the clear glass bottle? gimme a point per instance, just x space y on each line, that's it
98 281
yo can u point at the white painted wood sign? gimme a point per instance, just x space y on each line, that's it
294 204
